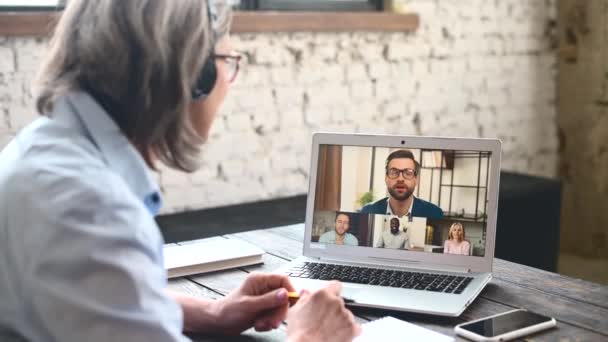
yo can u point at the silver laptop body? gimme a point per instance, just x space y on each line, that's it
430 272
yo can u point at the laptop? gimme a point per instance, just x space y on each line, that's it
406 223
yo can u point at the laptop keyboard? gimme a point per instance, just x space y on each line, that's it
374 276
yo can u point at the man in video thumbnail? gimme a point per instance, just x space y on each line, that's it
339 235
401 178
395 237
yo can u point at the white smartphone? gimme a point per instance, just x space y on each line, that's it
505 326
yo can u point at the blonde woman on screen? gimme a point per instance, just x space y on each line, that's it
456 244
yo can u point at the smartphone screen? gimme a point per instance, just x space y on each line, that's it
505 323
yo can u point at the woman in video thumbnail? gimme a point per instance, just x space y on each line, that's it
456 244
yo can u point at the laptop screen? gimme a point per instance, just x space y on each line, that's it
420 200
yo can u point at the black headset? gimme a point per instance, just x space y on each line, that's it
208 75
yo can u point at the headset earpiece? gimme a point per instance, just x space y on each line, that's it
206 80
208 75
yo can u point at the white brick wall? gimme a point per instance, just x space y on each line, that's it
476 68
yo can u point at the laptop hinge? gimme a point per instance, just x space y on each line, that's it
403 264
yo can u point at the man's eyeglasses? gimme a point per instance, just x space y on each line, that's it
394 173
233 62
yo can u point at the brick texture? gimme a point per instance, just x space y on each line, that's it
475 68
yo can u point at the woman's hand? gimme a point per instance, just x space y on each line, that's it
260 302
321 316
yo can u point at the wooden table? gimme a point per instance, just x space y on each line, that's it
580 307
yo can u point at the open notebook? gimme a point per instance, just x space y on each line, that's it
389 329
207 255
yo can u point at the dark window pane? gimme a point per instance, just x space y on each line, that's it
313 5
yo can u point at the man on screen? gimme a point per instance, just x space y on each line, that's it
339 235
394 237
401 178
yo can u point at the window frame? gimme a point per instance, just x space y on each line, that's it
34 8
30 9
252 5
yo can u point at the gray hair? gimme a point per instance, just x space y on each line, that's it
140 60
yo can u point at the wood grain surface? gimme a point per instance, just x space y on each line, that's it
580 307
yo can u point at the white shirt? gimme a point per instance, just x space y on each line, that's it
389 210
80 253
396 241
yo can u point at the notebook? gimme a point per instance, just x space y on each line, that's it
207 255
389 329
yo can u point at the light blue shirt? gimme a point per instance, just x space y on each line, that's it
80 253
330 237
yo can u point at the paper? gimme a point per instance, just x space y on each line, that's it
389 329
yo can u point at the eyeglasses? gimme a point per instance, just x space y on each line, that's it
394 173
233 62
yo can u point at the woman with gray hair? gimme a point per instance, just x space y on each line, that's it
126 84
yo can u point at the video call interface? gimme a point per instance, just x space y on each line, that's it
409 199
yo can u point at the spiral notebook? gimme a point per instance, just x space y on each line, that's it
390 329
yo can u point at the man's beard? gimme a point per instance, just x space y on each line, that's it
395 230
401 197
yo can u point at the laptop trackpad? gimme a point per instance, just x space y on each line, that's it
350 292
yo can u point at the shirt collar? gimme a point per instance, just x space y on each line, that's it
389 210
116 150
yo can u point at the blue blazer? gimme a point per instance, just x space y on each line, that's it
420 208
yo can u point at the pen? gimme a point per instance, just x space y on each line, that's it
294 296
